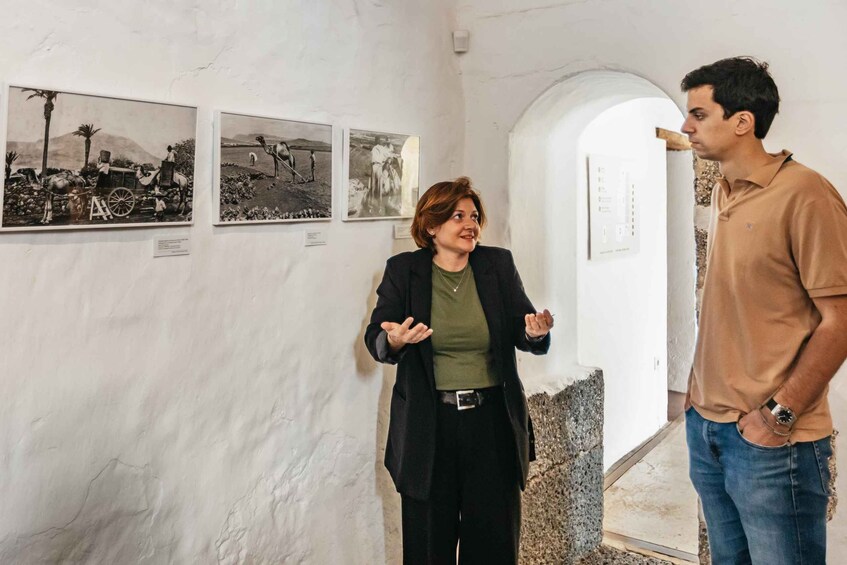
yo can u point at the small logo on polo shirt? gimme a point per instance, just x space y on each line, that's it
749 226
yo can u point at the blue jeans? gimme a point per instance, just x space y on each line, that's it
763 505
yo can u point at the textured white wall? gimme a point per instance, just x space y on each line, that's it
622 301
217 407
682 273
611 313
545 171
220 406
519 48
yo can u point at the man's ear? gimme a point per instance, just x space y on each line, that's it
745 122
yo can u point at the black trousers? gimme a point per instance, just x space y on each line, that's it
475 500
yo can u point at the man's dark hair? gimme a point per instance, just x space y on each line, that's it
739 83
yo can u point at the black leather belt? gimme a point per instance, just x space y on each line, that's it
466 399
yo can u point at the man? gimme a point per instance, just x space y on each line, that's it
312 161
380 152
103 168
773 328
165 175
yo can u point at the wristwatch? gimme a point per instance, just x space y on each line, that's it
783 414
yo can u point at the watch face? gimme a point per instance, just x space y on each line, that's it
784 416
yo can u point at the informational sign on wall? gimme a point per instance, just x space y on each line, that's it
612 219
170 245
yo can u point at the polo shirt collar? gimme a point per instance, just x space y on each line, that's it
761 177
764 175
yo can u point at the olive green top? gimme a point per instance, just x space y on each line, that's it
460 341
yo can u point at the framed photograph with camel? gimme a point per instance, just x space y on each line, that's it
271 170
382 175
79 161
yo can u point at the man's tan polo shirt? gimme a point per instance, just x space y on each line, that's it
778 239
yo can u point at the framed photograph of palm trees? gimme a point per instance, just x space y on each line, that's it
271 170
85 161
382 175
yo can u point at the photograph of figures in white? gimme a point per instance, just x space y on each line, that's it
75 160
274 170
382 175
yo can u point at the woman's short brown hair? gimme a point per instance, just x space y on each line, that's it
436 206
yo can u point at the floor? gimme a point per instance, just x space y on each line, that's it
654 503
650 505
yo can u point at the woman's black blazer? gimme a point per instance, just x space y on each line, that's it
406 290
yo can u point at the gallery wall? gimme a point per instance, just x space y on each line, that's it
220 406
215 407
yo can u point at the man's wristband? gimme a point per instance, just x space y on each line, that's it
531 339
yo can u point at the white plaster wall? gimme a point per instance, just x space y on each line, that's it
520 48
682 269
622 301
610 313
217 407
545 201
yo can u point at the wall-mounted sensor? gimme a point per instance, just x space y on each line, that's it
461 40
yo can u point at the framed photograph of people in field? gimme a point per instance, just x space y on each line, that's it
382 175
271 170
75 161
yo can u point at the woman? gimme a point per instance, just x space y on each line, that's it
459 442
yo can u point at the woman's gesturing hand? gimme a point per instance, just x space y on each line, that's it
400 335
538 324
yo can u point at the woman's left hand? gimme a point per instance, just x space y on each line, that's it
538 324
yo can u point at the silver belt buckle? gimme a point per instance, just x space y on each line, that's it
463 399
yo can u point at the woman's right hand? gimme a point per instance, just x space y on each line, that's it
400 335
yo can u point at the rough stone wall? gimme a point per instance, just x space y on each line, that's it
703 542
701 240
833 470
563 502
706 174
606 555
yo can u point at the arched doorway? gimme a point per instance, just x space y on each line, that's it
611 313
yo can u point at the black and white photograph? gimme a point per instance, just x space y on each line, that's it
87 161
273 170
382 175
